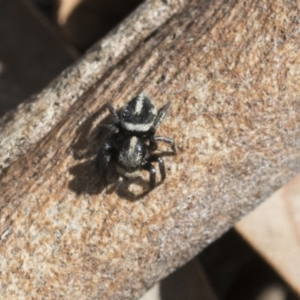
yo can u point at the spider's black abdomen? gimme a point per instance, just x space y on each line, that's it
138 115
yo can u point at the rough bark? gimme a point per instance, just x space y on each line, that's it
231 70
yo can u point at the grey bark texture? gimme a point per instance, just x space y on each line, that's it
231 71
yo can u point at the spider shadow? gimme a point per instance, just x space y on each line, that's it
86 179
88 137
84 147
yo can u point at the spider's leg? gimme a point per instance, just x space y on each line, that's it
161 115
113 113
152 143
158 138
152 172
161 164
103 159
109 128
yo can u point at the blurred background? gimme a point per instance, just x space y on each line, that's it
259 259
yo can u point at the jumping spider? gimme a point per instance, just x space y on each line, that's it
133 140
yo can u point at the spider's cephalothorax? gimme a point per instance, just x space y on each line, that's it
133 140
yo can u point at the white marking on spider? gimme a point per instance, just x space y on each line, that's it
137 127
131 157
127 174
132 145
139 104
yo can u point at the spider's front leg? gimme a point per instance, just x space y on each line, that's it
113 113
111 128
161 164
154 139
102 161
149 167
161 115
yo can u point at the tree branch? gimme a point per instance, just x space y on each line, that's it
231 70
